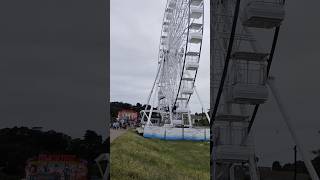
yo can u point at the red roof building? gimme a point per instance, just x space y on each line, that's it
128 114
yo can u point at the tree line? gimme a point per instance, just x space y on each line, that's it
18 144
300 165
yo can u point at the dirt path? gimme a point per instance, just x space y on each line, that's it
116 133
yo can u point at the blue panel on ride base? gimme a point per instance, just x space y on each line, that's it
172 133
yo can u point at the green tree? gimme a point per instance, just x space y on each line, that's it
276 166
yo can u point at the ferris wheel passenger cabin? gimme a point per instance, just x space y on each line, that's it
248 78
261 14
196 12
195 2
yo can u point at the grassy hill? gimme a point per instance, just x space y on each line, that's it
134 157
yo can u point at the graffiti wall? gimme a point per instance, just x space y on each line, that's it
56 167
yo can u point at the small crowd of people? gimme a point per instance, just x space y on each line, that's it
119 124
116 125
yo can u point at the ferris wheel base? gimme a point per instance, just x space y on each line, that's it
174 133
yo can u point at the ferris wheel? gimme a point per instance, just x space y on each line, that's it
239 74
178 63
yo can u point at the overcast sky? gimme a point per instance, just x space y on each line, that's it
135 31
53 64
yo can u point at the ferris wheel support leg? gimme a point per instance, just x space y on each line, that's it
231 172
149 117
106 172
287 119
151 109
206 113
254 173
151 92
170 115
189 117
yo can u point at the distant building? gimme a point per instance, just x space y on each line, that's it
128 115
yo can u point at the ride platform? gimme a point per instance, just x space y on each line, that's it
176 133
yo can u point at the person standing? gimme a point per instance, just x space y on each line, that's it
67 172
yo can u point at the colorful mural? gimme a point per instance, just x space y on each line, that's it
56 167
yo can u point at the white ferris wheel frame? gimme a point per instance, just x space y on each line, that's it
178 62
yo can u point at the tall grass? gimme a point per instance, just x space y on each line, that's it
136 158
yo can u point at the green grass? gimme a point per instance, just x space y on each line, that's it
135 157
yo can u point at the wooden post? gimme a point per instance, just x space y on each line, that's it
295 162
